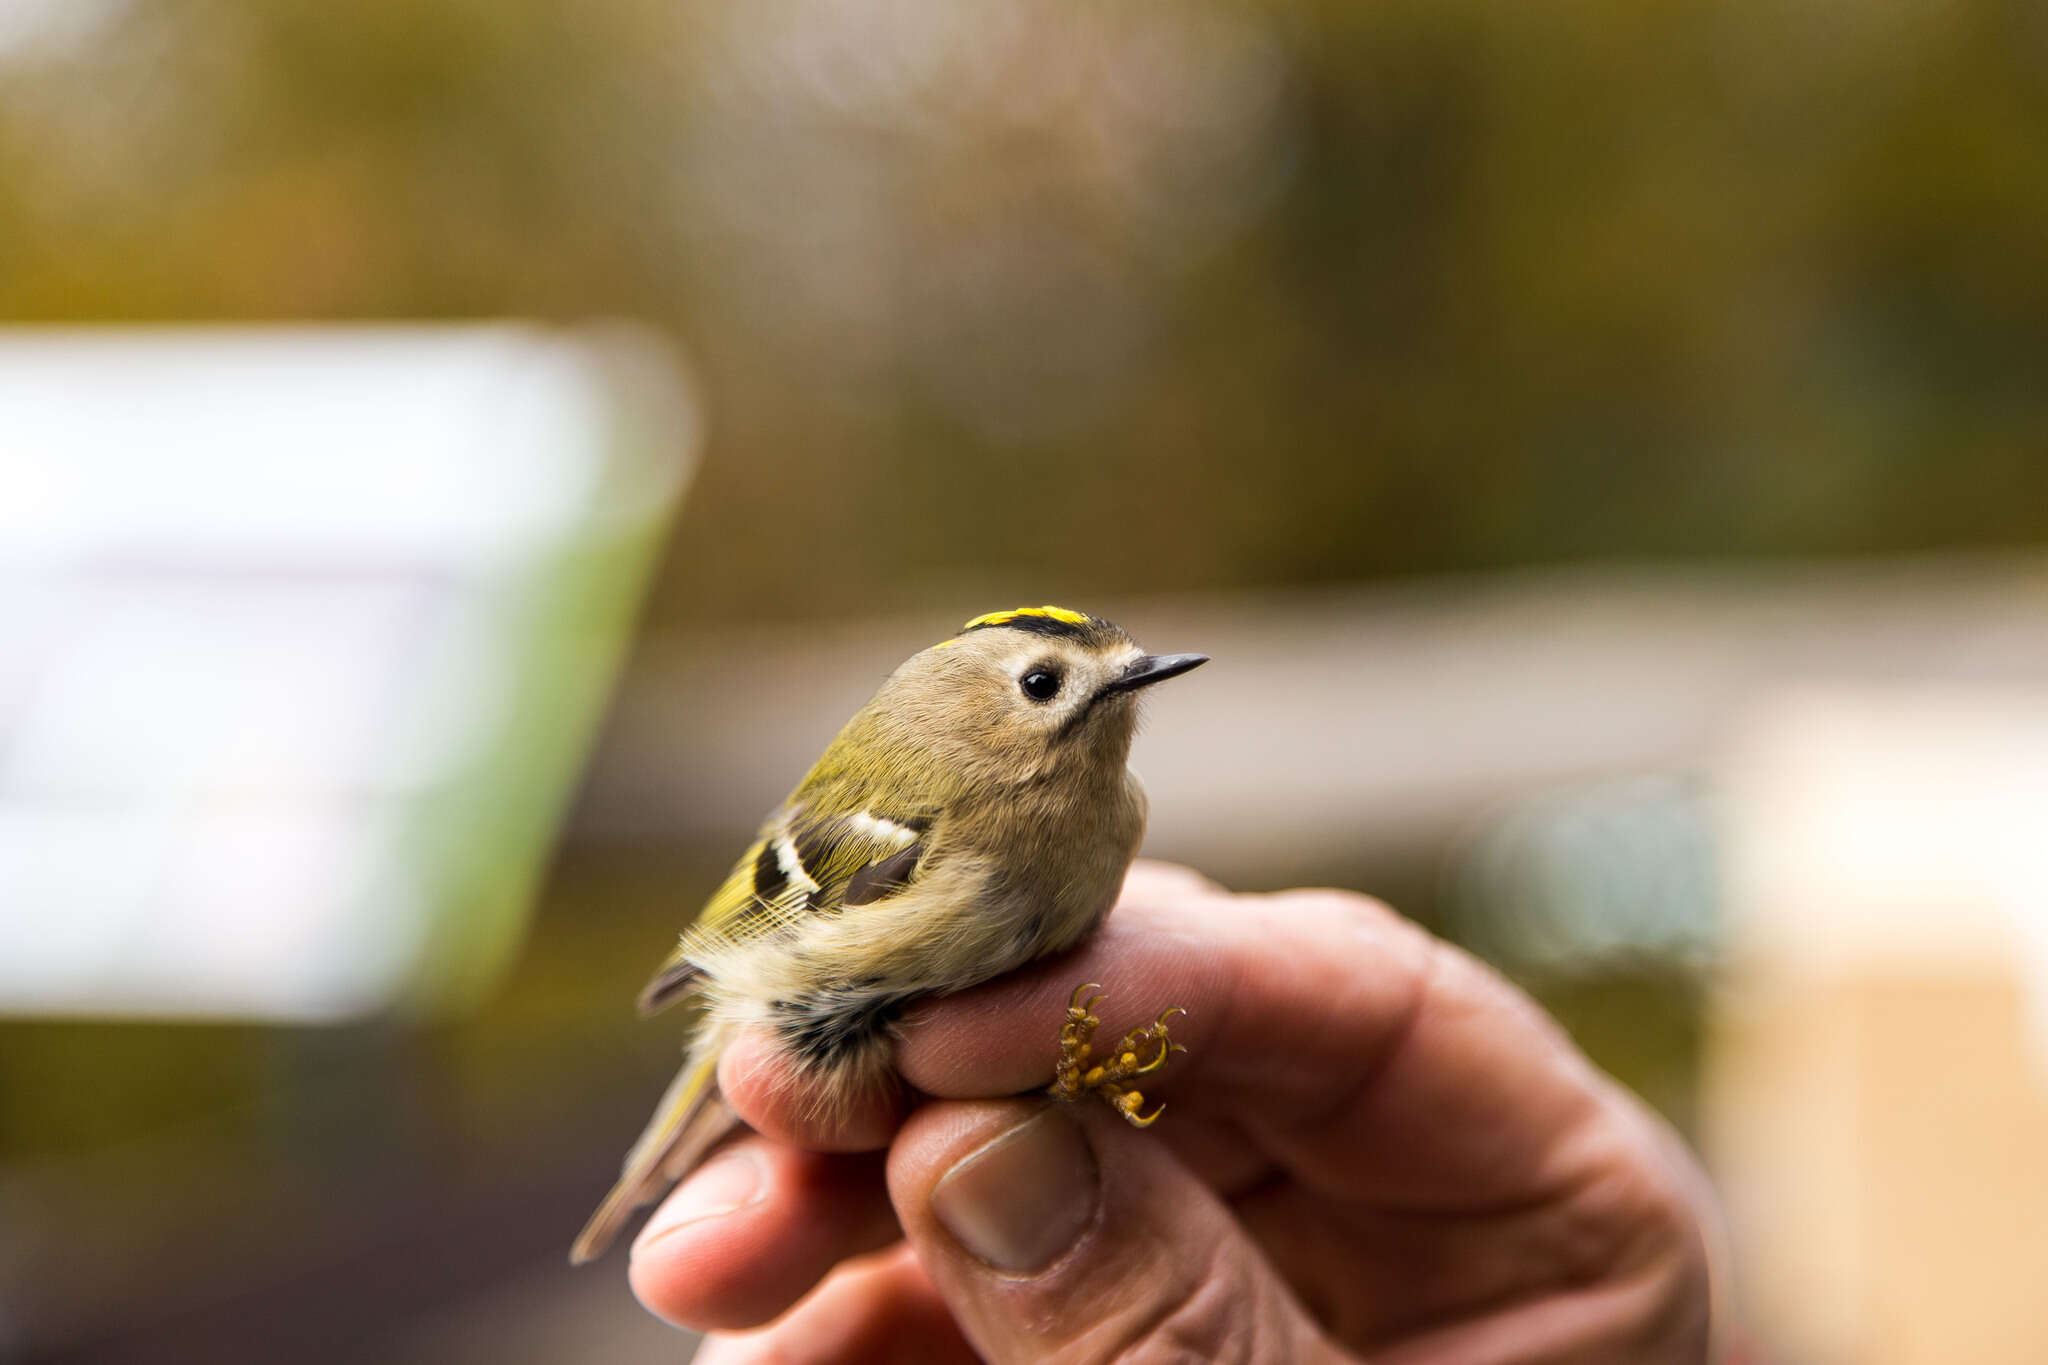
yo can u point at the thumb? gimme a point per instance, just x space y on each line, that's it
1055 1232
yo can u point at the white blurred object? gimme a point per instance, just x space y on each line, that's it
33 27
306 631
1901 829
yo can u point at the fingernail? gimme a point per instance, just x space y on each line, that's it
731 1182
1021 1199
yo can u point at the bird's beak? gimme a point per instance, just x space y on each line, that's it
1152 668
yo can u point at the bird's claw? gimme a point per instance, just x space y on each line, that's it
1074 1078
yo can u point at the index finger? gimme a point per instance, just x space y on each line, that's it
1368 1057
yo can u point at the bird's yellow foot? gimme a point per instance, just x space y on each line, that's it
1140 1052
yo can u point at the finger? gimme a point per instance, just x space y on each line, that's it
778 1099
1378 1062
1151 879
1053 1232
753 1230
1303 978
881 1310
1376 1279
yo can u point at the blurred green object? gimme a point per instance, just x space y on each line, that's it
482 843
310 630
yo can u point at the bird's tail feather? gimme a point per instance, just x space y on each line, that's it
689 1121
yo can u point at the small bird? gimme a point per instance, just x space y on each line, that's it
974 815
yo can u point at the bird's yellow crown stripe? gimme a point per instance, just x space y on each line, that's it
997 618
1047 620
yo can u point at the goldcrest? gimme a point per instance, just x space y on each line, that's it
976 814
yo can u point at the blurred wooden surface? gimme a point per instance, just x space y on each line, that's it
1877 1087
1340 722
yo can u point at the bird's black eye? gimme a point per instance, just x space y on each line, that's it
1040 684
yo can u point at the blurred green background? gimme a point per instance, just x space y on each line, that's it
991 301
1142 296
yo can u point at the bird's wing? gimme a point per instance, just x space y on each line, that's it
688 1122
801 864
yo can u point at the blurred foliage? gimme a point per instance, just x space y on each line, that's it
994 296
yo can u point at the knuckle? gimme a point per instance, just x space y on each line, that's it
1163 878
1324 921
1658 1188
1626 1213
1332 905
1645 1226
1225 1315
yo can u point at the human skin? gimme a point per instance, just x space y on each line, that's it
1375 1148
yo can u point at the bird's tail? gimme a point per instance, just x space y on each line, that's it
689 1121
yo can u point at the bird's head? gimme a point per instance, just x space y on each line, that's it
1033 691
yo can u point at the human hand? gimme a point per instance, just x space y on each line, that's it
1376 1148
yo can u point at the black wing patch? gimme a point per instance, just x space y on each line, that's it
858 858
877 880
770 879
